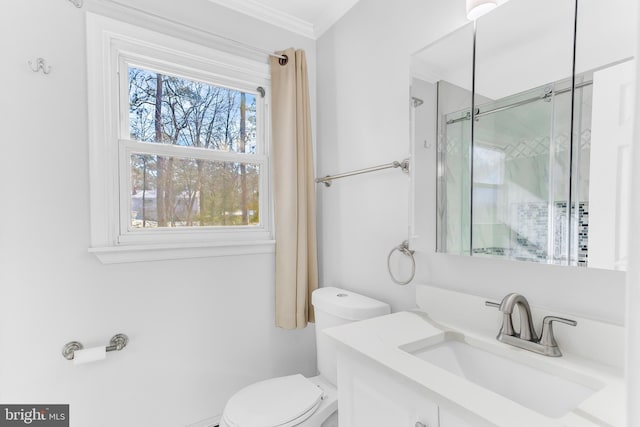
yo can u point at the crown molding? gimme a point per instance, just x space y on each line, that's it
268 14
278 18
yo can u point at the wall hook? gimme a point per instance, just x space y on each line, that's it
40 65
77 3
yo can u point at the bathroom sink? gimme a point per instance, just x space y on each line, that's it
550 392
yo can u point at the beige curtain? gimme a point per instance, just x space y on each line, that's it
294 191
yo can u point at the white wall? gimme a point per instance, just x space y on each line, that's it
363 120
199 329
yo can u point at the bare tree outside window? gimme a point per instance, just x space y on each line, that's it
172 191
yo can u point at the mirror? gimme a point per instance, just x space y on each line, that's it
541 174
522 131
605 66
441 81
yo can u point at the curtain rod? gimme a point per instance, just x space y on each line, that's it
282 58
403 165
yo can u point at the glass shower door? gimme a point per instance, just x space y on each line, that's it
520 185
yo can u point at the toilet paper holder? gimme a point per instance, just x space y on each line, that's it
117 343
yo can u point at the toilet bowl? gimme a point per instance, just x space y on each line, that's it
284 402
295 400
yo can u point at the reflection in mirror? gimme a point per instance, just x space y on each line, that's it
537 183
522 147
605 58
454 183
521 175
441 77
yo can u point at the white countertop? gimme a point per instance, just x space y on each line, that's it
382 339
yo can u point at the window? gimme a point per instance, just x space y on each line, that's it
192 184
179 148
488 183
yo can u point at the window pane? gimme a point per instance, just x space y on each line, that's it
178 111
177 192
488 165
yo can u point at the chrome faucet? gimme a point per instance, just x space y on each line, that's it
527 338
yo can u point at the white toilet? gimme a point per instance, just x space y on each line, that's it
295 400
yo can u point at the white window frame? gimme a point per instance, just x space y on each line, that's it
113 47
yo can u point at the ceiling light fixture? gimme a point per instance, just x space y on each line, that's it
477 8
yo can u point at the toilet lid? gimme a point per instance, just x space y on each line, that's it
274 402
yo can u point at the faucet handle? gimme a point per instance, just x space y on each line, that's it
507 322
492 304
547 338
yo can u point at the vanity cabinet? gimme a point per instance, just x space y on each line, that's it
371 395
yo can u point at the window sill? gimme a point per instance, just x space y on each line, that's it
143 253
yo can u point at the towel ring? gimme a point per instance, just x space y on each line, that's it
403 248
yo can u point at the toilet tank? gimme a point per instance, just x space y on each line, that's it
335 307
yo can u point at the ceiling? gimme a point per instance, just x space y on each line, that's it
309 18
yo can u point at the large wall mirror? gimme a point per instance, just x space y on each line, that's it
537 171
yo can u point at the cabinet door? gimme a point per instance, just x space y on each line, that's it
370 395
372 406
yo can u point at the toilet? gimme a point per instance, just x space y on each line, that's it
294 400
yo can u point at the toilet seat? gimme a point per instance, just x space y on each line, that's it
277 402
